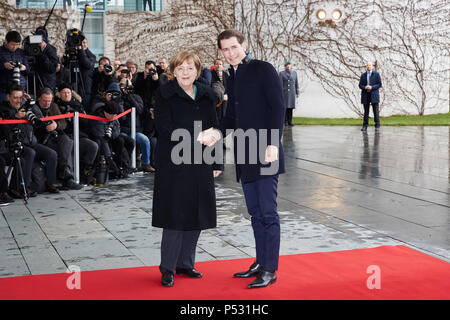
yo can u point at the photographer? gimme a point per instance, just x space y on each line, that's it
132 66
105 133
10 56
146 84
122 72
103 76
46 63
131 100
6 155
67 102
86 60
32 150
5 199
53 136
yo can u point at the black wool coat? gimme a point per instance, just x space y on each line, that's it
255 104
183 195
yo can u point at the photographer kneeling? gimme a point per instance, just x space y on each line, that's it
105 133
69 101
131 100
32 150
53 136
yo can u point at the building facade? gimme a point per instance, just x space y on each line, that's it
327 42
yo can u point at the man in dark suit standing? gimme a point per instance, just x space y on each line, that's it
289 81
256 104
369 83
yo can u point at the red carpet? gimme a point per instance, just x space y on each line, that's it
404 274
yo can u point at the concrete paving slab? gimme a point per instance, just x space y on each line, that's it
342 190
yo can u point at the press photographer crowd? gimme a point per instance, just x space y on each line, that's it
36 83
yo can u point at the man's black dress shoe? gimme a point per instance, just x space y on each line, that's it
251 272
364 129
192 273
167 279
263 279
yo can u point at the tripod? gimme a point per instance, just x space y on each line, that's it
17 165
34 89
75 75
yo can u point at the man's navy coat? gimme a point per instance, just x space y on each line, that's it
255 101
372 95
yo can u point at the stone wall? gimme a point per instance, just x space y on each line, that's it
27 20
183 25
149 36
135 35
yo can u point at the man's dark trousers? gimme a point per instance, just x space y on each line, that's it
261 200
376 114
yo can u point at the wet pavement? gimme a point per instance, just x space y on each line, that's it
343 190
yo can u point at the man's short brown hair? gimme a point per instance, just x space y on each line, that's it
183 56
46 91
230 33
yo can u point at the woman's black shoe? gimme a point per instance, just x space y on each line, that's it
167 279
192 273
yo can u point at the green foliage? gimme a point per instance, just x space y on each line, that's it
441 119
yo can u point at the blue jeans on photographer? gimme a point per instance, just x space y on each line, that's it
144 144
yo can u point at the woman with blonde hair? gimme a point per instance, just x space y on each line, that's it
184 201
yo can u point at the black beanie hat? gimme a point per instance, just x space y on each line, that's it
64 85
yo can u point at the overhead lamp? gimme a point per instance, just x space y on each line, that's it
321 14
336 14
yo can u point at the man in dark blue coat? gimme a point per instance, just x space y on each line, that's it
86 62
256 109
11 53
369 83
46 63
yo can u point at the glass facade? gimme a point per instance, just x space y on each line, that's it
93 25
97 5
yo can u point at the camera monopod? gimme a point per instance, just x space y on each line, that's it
87 8
50 14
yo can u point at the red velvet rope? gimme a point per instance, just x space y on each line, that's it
69 115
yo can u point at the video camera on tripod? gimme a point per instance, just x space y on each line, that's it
32 45
74 39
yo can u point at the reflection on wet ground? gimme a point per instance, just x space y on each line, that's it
343 190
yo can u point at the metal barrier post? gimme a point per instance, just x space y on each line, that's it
133 135
76 148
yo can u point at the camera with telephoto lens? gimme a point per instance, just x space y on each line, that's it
108 68
116 96
16 72
29 114
125 71
109 131
38 123
152 72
